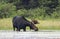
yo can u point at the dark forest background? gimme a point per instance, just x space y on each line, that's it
30 8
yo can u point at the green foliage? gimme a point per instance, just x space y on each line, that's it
40 9
27 4
6 10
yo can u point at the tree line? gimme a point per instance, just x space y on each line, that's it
29 8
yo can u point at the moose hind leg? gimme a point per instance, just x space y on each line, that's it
13 27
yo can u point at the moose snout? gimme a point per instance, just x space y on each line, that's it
36 29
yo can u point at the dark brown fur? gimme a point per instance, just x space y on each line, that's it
35 21
19 22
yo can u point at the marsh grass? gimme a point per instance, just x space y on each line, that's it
6 24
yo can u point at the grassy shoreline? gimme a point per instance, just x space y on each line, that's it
6 24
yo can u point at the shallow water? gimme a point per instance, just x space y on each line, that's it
42 34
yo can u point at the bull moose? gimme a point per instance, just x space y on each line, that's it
20 22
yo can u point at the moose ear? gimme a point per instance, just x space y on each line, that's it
35 21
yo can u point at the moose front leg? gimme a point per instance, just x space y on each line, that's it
18 29
24 29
